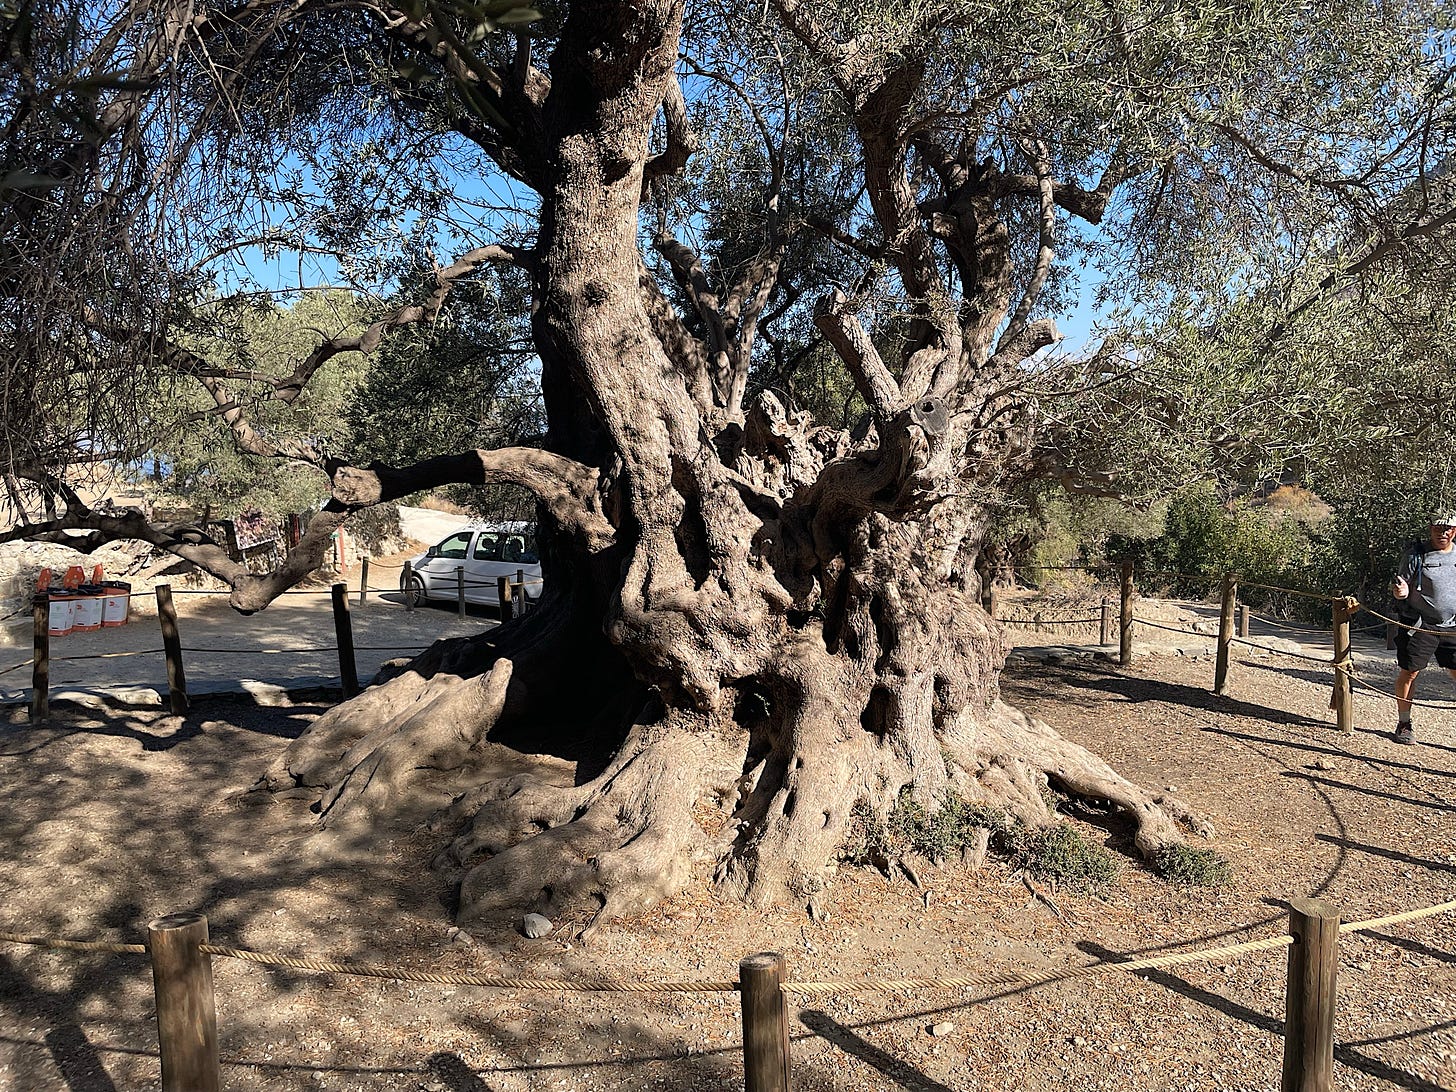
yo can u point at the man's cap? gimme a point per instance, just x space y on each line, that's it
1443 517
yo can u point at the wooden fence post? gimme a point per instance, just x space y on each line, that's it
40 664
1124 618
1225 632
172 646
1390 632
407 582
993 603
503 592
1342 699
186 1014
460 589
363 579
765 1023
1309 1004
1104 635
518 593
344 631
1244 620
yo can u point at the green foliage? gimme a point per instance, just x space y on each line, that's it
1189 867
936 834
1061 854
467 381
198 460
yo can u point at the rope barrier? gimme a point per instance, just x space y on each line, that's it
1291 591
74 945
615 985
108 655
1183 576
1285 625
1407 626
374 970
16 667
1285 652
1049 621
1170 629
257 651
895 985
1392 694
1396 919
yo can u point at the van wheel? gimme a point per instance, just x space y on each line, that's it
415 590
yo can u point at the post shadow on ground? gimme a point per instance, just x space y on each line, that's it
1389 854
1345 1053
75 1059
896 1069
1435 805
1333 752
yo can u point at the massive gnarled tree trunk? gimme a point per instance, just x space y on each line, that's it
768 625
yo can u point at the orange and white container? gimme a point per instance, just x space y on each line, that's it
116 604
90 598
61 613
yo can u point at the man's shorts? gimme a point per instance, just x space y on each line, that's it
1413 648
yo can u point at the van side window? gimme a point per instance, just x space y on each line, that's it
528 551
487 547
454 547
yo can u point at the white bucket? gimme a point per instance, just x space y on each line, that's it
87 616
61 618
117 603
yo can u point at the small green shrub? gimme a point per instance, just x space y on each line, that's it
1062 855
1189 867
866 842
950 829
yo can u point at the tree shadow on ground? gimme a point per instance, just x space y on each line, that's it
1131 688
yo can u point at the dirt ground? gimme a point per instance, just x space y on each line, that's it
111 818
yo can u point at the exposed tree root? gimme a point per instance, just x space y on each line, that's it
617 844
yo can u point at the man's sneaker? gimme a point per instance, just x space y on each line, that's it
1404 733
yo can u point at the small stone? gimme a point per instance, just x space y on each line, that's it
942 1029
1077 1040
1322 764
536 926
460 936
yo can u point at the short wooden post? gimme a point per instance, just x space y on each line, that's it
1124 618
1244 620
407 582
172 646
518 596
363 579
344 631
1104 635
186 1014
503 593
460 589
765 1023
1342 698
1390 632
993 603
1309 1005
1225 632
40 664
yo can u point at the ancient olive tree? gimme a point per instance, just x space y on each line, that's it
768 626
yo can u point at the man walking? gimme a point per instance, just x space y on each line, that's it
1425 586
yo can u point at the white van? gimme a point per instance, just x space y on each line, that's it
486 552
